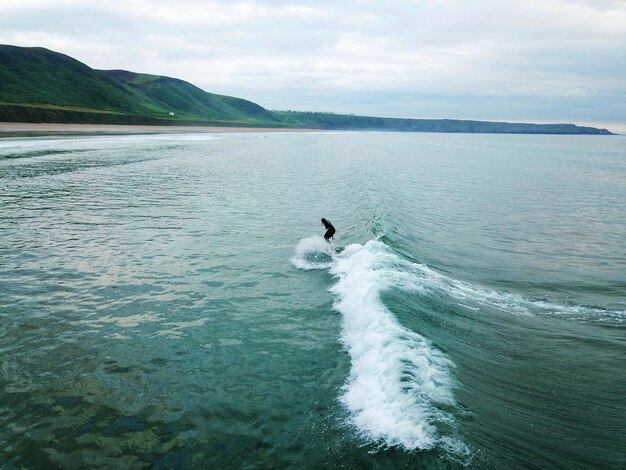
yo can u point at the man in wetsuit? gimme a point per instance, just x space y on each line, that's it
330 230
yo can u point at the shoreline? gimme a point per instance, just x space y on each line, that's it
31 129
17 129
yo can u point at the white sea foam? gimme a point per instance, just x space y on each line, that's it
428 280
399 384
400 388
313 253
14 146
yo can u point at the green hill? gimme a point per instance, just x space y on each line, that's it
185 99
39 76
39 85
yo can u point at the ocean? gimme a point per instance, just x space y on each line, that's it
168 301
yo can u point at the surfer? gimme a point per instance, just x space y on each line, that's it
330 230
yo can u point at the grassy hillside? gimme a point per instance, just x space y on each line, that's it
39 76
185 99
39 85
73 115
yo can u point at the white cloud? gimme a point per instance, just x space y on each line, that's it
475 59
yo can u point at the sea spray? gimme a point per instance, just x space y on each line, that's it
313 253
430 282
400 388
398 381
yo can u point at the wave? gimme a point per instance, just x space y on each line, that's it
37 147
430 282
400 391
400 388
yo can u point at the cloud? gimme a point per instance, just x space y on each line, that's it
419 58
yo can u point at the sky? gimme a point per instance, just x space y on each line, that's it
499 60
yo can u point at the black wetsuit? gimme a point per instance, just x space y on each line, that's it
330 230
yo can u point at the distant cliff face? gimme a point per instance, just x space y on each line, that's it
39 85
350 122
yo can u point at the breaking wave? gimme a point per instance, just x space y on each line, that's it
400 391
400 388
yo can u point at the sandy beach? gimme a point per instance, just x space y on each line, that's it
12 129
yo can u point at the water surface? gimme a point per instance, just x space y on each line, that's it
168 301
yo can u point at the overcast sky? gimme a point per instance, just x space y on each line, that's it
530 60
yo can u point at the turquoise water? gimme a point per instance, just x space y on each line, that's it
168 301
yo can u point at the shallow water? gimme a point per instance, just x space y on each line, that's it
168 301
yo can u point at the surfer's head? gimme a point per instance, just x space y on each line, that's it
324 222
